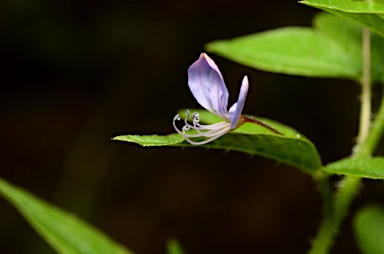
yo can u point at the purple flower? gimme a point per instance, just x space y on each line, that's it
207 86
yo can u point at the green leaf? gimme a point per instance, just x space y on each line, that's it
174 247
369 229
348 36
291 50
333 48
372 168
292 148
65 232
350 6
367 13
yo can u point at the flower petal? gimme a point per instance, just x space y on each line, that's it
237 108
207 86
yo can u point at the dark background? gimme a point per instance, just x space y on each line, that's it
76 73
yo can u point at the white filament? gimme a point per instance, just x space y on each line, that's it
211 132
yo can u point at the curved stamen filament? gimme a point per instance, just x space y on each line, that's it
218 134
211 126
211 132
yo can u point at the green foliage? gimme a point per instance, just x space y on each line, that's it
348 36
369 229
372 168
65 232
331 49
173 247
349 6
292 148
291 50
367 13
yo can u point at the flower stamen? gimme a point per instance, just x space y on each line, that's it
211 132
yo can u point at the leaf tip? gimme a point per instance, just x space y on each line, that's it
118 138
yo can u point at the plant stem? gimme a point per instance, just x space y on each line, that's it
375 133
365 110
366 142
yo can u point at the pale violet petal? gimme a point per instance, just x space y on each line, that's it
207 85
232 112
237 108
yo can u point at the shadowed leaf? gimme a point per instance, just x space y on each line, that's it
65 232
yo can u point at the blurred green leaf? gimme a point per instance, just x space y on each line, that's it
173 247
66 233
367 13
291 50
369 229
292 148
372 168
348 36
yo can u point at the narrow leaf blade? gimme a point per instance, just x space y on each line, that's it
65 232
372 168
